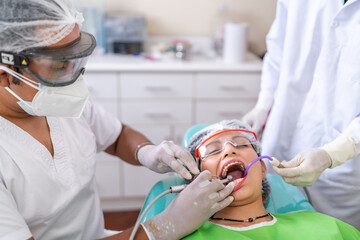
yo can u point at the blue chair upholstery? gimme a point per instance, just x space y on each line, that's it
283 197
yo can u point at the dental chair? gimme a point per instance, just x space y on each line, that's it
283 197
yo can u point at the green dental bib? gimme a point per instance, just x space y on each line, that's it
294 225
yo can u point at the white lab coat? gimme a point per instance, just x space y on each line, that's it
313 68
54 197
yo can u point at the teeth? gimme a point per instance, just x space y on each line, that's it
226 168
238 180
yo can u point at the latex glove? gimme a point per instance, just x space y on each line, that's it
167 157
190 209
256 118
306 167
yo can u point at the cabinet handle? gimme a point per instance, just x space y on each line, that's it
231 114
232 88
158 88
158 115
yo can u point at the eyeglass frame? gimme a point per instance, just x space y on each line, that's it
197 152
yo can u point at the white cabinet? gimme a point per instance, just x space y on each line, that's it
210 111
102 85
156 85
225 95
103 88
227 85
162 104
156 112
139 180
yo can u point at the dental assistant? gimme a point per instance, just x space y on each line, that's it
50 133
310 88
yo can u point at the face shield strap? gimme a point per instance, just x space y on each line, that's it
22 78
13 59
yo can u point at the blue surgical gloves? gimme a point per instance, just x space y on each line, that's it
168 157
305 168
190 209
256 118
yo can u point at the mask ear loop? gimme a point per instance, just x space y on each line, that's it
22 78
15 95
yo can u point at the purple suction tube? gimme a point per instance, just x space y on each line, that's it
254 161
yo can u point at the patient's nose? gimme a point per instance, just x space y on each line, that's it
229 150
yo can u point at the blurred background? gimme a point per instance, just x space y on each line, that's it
176 19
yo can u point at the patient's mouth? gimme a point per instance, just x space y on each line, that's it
235 168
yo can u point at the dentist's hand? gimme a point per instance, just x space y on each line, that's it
168 157
305 168
190 209
256 118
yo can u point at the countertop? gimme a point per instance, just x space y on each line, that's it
139 63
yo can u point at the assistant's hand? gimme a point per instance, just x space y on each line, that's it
256 118
167 157
190 209
305 168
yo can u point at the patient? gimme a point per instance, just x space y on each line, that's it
224 153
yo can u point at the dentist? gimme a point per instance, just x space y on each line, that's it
50 133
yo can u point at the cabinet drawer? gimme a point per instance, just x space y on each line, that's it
155 133
227 85
214 111
156 85
179 133
102 85
110 106
159 112
138 180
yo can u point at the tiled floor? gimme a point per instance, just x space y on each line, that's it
120 220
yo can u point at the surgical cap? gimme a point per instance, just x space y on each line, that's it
35 23
201 135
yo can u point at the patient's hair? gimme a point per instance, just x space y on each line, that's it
201 135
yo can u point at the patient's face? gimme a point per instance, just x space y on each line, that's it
233 161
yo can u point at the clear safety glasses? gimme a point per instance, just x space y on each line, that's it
215 144
54 66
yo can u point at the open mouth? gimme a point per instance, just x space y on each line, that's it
236 169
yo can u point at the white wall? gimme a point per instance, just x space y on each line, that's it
196 17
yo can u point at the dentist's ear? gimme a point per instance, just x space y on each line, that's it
2 71
5 78
263 169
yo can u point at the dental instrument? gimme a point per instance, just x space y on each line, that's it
179 188
172 189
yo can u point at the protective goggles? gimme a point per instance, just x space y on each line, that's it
215 144
54 66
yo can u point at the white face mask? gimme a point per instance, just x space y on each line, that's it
67 101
